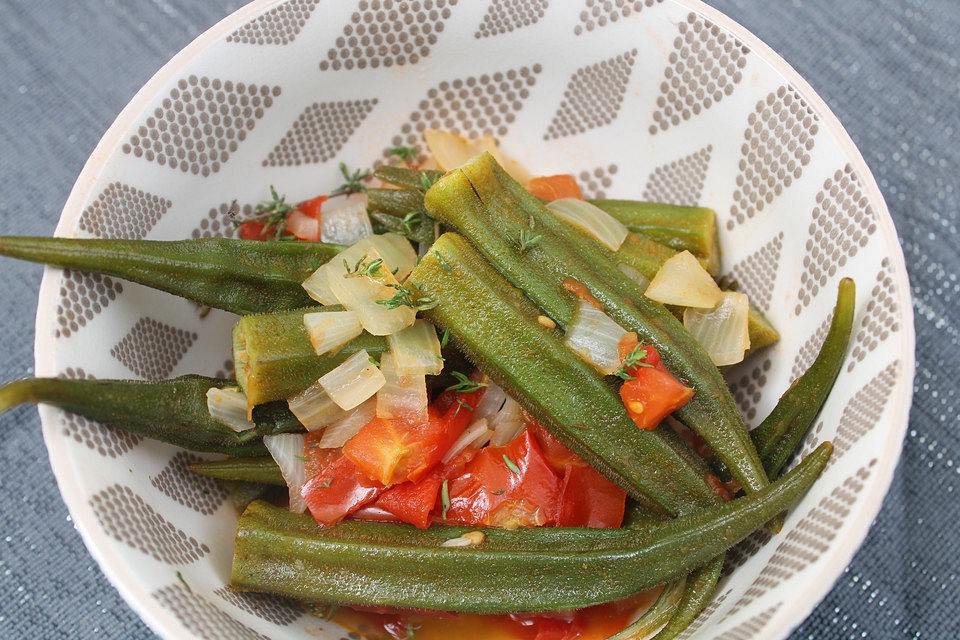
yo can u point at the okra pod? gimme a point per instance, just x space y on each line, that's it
697 591
242 276
499 331
173 411
657 615
395 202
275 360
681 228
494 212
524 570
407 178
263 470
778 436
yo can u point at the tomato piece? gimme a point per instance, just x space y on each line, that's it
339 490
317 459
312 208
413 502
652 395
551 188
719 487
587 499
253 230
556 453
303 226
627 344
510 486
580 290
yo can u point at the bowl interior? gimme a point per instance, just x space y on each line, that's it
661 100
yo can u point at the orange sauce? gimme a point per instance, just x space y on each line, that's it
592 623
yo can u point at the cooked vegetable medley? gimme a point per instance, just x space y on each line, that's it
469 390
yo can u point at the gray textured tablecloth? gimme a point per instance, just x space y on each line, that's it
888 68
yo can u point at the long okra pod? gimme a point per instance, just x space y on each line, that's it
242 276
263 470
173 411
407 178
525 570
495 213
697 591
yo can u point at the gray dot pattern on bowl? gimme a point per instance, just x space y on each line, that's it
203 495
679 181
218 222
319 132
843 222
778 139
600 13
477 105
505 16
279 25
151 349
271 608
594 183
593 96
704 67
704 616
202 618
108 441
751 627
388 32
810 348
756 274
809 539
747 388
879 318
125 516
82 296
201 123
226 370
123 211
747 548
863 411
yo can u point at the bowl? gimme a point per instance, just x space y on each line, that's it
656 99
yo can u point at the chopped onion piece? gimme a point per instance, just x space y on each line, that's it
344 219
449 149
595 337
397 253
722 331
229 406
476 435
683 281
330 330
507 423
314 407
317 287
363 294
634 275
416 349
340 432
303 226
489 144
403 394
355 380
491 402
287 452
591 219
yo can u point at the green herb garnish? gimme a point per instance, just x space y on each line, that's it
415 217
445 339
271 213
511 464
528 238
633 359
465 384
183 582
406 298
326 485
304 458
353 182
426 181
499 492
362 268
403 154
443 261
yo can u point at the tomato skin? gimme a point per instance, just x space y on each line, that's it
556 453
652 395
317 459
552 188
587 499
413 502
339 490
312 207
528 498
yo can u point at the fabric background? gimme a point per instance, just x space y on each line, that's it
888 69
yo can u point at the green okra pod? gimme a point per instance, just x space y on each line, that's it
407 178
395 202
696 594
262 470
172 411
242 276
496 214
524 570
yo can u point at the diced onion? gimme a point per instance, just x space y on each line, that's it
491 402
450 151
591 219
340 432
355 380
683 281
476 435
303 226
330 330
402 395
507 423
416 349
229 406
364 294
287 452
314 407
344 219
595 337
722 331
634 275
317 287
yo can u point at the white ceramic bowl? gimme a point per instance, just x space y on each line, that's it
665 100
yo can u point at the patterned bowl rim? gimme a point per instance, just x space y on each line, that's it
125 579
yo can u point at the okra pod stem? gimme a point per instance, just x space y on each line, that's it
263 470
525 570
173 411
242 276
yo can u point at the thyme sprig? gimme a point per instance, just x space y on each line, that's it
404 154
528 238
405 297
362 268
633 359
354 181
271 213
465 384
